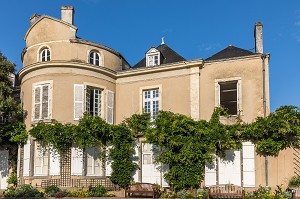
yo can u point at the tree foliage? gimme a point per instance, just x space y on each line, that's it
12 128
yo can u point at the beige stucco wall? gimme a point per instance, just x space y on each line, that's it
60 41
63 79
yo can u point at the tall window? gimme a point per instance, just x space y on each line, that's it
229 96
93 101
45 55
95 58
41 101
151 102
41 155
93 162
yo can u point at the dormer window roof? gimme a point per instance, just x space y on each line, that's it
152 57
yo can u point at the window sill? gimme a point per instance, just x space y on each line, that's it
42 120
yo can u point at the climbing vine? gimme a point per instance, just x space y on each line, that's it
185 145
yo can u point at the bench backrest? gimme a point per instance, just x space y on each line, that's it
228 188
142 187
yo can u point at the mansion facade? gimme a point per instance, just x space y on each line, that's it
64 76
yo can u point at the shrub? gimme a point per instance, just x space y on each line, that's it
184 194
13 179
295 181
52 190
97 191
25 191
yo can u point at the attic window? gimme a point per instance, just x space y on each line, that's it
153 57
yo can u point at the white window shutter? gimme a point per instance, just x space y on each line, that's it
54 164
76 161
217 94
110 107
248 164
36 103
239 97
108 169
78 101
26 159
45 101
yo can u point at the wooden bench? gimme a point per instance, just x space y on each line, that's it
225 191
142 190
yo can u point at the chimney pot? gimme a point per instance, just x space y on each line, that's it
67 14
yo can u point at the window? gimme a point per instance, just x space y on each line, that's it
94 165
41 154
93 101
95 58
151 102
153 57
229 97
41 101
45 55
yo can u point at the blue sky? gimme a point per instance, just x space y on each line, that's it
193 28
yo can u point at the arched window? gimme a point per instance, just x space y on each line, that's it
45 54
95 58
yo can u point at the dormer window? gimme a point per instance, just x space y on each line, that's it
152 57
95 58
45 54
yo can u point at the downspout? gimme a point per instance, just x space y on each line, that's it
263 57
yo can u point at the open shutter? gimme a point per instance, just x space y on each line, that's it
77 161
26 159
110 107
248 165
54 164
108 169
78 101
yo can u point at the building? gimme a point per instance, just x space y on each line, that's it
64 76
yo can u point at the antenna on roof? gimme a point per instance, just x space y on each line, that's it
162 40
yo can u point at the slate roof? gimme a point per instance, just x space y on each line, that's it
168 56
230 52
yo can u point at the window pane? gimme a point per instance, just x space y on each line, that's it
228 97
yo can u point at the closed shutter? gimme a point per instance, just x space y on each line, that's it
230 168
3 169
76 161
78 101
37 103
110 107
248 165
54 164
45 101
210 174
93 162
41 158
26 159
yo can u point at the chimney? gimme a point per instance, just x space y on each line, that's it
258 37
67 14
34 18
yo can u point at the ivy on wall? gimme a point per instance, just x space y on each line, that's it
185 145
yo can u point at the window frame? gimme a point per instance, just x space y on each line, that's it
94 62
143 91
238 81
49 104
46 50
152 57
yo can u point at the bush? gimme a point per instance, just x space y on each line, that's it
13 179
184 194
51 190
97 191
24 191
295 181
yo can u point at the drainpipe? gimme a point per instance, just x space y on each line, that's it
263 57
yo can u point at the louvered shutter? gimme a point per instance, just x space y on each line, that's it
108 169
54 164
248 165
3 169
76 161
26 159
110 107
37 103
45 101
78 101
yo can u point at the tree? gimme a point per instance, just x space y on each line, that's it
12 128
